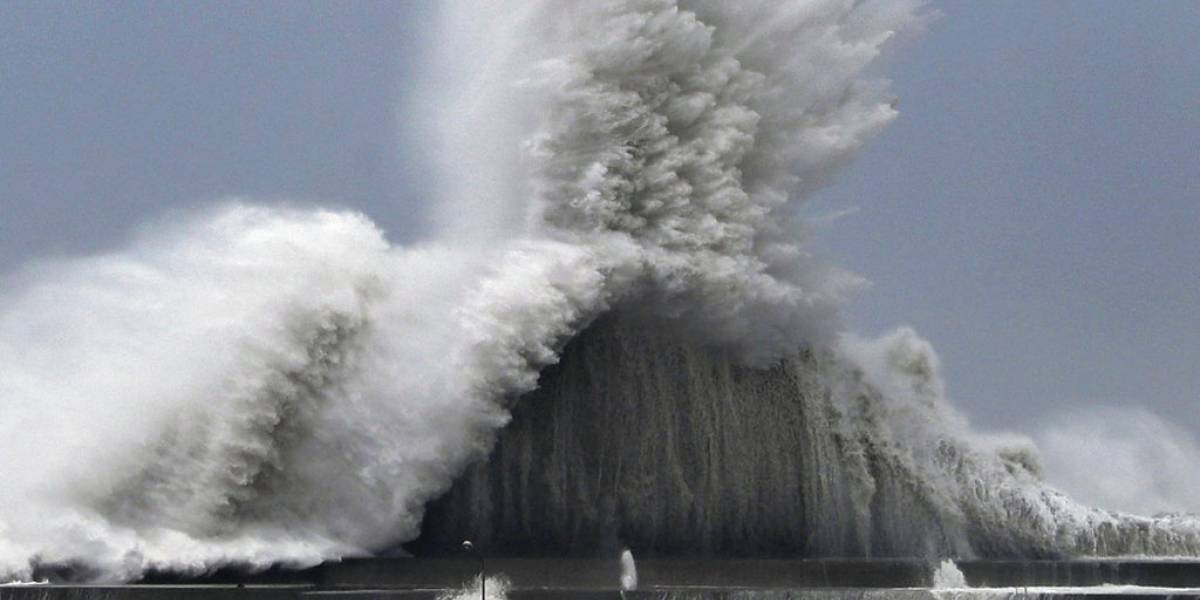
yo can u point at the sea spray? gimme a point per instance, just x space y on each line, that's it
266 386
262 386
496 588
642 434
629 577
685 133
947 576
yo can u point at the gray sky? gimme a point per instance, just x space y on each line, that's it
112 111
1035 211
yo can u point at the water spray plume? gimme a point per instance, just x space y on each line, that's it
262 386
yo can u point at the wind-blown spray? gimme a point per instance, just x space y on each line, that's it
259 386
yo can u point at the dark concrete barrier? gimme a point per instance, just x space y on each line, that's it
215 592
420 579
149 592
564 573
751 573
570 573
784 573
549 594
1083 572
899 594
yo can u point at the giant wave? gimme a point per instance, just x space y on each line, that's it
259 385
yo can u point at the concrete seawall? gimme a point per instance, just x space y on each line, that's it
660 579
305 593
569 573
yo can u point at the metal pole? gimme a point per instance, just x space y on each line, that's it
470 548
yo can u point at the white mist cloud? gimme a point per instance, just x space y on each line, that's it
1122 458
679 134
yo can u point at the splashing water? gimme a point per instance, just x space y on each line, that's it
629 578
496 588
265 386
643 435
948 576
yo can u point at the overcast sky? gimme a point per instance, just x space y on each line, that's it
1035 211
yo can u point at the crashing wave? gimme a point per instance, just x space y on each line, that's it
642 436
261 386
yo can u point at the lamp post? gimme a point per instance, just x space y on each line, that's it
470 548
